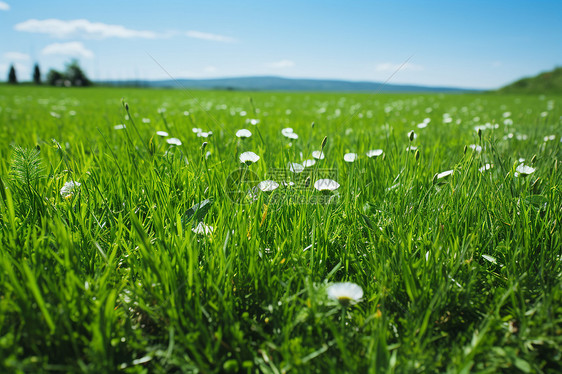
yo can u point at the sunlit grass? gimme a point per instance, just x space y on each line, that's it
127 244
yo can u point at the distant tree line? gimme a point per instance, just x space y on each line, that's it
72 76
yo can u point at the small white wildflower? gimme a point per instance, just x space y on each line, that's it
319 155
308 163
249 158
412 135
119 127
485 167
268 185
443 175
295 167
326 185
173 141
346 293
203 229
374 153
350 157
243 133
288 133
476 147
69 189
525 170
411 148
162 133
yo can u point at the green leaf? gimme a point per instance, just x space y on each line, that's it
197 211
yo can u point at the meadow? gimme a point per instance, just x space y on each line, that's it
134 239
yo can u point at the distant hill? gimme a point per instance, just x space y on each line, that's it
549 82
268 83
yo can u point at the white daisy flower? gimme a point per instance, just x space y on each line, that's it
319 155
326 185
203 229
346 293
173 141
196 130
295 167
243 133
350 157
162 133
525 170
288 133
476 147
485 167
308 163
374 153
249 158
268 185
69 189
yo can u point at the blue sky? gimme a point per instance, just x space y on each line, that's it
476 44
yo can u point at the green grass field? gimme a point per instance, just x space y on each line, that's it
460 272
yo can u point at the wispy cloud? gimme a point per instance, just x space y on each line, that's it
208 36
210 69
96 30
16 56
392 67
4 6
81 27
76 49
283 64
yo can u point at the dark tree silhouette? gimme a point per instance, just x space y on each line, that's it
75 74
12 78
72 76
36 74
55 78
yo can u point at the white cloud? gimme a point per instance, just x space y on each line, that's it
210 69
281 64
81 27
209 36
4 6
391 67
16 56
68 49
